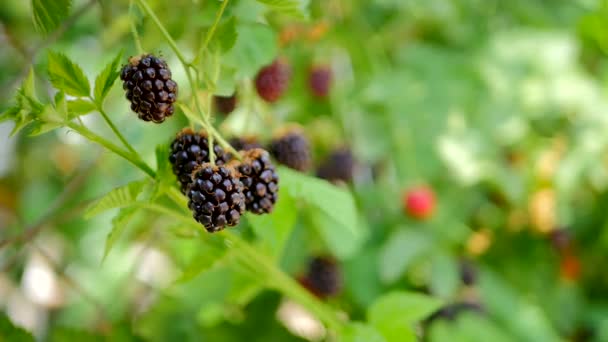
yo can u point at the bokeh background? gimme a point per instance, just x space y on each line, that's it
500 107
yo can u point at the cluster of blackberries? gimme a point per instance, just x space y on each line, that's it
219 194
149 87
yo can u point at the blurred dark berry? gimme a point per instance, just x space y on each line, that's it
188 151
293 150
451 311
260 181
468 272
561 239
216 197
420 202
244 143
224 104
149 87
323 277
272 80
338 166
319 80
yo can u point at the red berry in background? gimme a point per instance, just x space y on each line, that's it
224 104
570 267
319 80
420 202
272 80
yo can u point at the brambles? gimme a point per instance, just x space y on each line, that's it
216 197
272 80
260 181
188 151
338 166
149 87
323 277
225 104
319 80
419 202
292 149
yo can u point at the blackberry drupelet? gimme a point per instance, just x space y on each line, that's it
216 197
323 277
319 80
292 149
149 87
272 80
338 166
244 143
260 181
188 151
224 104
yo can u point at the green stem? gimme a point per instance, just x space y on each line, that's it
144 5
114 128
132 158
211 32
134 33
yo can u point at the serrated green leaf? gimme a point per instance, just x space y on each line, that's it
164 172
255 46
46 120
105 80
119 225
395 313
333 211
400 250
79 107
11 332
67 75
297 8
48 14
226 35
205 260
120 197
274 229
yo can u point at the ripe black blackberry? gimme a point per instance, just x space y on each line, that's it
468 272
338 166
244 143
319 80
224 104
292 149
260 181
323 277
272 80
188 151
150 89
216 197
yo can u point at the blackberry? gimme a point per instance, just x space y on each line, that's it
339 166
319 81
188 151
260 181
292 149
216 197
272 80
468 272
323 277
224 104
451 311
150 89
245 143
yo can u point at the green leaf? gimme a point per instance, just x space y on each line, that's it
226 35
274 229
27 106
333 211
117 198
395 313
67 75
46 120
359 332
105 80
206 259
79 107
445 276
119 225
48 14
10 332
164 173
296 8
255 47
401 249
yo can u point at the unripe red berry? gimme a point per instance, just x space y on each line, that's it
319 80
420 202
272 80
